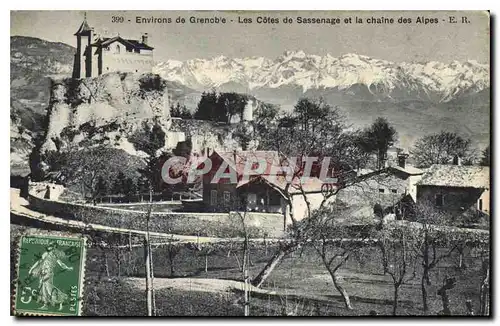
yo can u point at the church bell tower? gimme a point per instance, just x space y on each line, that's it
82 66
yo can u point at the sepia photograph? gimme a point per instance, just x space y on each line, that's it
250 163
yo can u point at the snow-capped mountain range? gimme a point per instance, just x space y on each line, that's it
350 74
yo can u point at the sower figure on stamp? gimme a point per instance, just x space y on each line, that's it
44 269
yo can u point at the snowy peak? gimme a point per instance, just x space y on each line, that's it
435 81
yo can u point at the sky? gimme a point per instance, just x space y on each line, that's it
396 42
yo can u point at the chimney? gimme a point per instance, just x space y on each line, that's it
402 160
457 160
145 38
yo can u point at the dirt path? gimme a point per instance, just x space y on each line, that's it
219 286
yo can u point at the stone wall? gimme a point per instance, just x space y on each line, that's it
454 199
203 224
126 62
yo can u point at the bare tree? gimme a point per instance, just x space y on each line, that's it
314 129
431 244
448 284
335 241
398 258
484 293
173 250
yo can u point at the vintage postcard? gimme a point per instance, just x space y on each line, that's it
250 163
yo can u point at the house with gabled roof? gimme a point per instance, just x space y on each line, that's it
386 186
456 188
257 189
96 55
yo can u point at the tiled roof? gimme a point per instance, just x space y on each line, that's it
129 42
408 169
271 158
274 163
457 176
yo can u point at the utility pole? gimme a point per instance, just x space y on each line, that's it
246 262
149 264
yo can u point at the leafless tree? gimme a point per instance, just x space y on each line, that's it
314 129
335 241
431 245
398 258
173 250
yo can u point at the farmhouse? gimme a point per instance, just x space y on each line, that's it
258 190
96 55
456 188
386 186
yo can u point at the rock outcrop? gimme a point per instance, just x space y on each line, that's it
104 110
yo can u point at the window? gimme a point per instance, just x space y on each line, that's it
394 191
226 197
381 190
274 199
213 197
439 198
117 48
252 198
480 204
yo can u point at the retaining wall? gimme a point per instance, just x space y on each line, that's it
203 224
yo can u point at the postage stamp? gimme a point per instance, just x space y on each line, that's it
50 275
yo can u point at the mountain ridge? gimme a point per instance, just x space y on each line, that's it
431 81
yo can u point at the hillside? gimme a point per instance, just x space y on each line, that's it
32 63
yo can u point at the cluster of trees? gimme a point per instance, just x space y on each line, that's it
441 148
377 139
102 171
220 107
180 111
121 185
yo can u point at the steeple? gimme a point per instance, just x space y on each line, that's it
82 66
84 27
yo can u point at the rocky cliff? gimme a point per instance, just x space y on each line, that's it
105 110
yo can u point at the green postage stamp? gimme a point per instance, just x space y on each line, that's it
50 275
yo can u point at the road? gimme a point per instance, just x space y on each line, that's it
19 207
